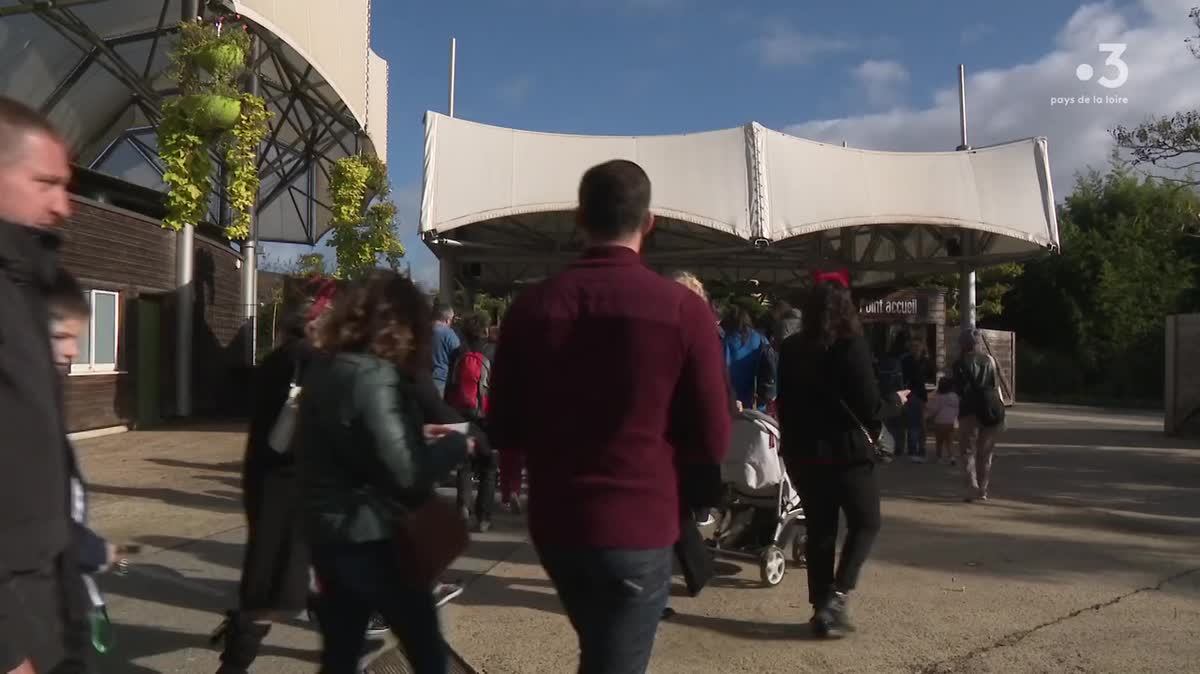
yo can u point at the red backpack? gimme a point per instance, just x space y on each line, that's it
468 383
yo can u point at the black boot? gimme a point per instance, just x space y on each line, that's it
242 637
832 618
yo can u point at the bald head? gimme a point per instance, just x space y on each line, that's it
35 168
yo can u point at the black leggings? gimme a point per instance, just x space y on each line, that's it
827 491
483 467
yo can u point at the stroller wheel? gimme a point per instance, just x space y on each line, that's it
772 566
799 557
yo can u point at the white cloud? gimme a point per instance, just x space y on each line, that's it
782 45
1013 103
515 91
883 82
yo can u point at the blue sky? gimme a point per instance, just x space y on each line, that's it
875 73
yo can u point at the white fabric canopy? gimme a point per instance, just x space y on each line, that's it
475 172
333 37
751 182
1002 189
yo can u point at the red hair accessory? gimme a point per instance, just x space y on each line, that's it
322 290
839 276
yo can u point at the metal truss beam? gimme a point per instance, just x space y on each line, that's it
31 6
320 124
158 32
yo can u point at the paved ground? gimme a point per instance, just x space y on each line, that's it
1086 560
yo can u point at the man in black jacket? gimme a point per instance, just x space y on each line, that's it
41 592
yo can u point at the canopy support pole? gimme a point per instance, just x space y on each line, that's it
966 295
250 246
185 290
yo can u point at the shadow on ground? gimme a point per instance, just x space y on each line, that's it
212 500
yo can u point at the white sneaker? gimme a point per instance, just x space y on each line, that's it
445 592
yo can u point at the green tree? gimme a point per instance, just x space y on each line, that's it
309 265
991 286
364 227
1126 264
303 266
493 305
1170 144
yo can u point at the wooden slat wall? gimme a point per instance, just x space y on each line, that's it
1002 345
219 334
1182 394
109 248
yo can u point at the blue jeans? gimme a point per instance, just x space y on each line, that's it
614 599
914 416
358 578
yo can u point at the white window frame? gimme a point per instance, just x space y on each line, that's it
91 367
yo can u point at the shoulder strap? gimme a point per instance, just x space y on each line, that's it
853 416
485 381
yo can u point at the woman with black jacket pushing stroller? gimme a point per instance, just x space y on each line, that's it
830 413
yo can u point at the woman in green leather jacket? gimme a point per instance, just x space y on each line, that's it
363 460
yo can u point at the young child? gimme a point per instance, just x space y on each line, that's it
943 409
69 313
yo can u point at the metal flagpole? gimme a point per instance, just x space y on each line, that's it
446 261
453 69
966 296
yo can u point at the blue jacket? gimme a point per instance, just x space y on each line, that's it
445 344
742 358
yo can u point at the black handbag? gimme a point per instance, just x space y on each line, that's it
883 444
695 558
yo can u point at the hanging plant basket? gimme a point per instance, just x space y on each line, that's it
220 57
212 112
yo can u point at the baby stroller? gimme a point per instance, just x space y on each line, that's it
761 515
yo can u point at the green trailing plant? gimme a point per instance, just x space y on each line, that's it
364 228
187 167
211 113
241 161
209 48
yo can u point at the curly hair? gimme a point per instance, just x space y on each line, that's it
690 281
474 329
385 315
829 314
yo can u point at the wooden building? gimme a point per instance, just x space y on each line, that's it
125 375
922 313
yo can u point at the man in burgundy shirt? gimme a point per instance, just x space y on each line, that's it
609 380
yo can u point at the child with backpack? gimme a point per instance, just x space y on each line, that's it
943 409
467 385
